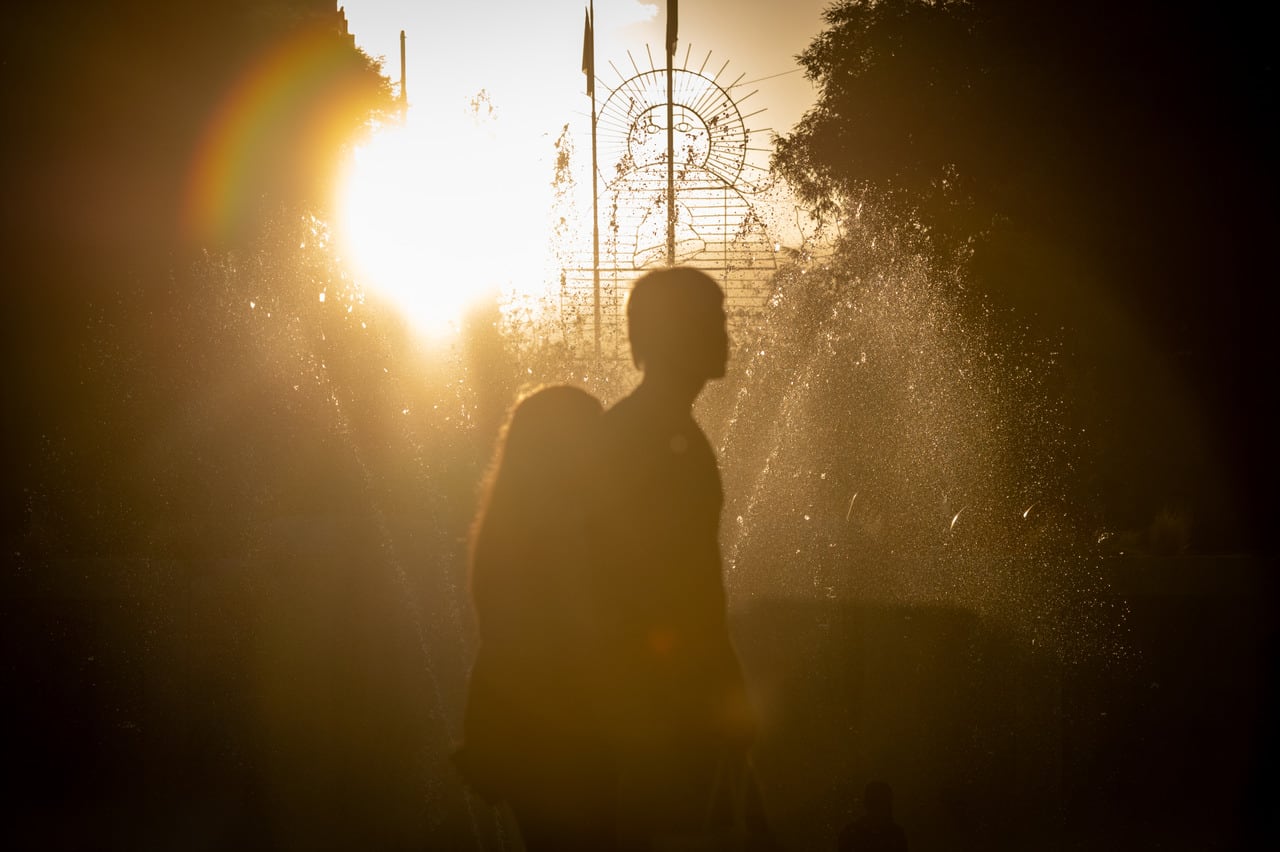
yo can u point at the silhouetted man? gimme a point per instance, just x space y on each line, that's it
874 831
677 707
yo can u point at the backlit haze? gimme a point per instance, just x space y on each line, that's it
458 203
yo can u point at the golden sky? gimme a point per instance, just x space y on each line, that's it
463 193
527 54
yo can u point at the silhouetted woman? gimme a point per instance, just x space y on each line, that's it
530 739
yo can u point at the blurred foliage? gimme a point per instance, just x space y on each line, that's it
113 102
111 105
961 113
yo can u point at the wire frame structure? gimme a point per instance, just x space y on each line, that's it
717 173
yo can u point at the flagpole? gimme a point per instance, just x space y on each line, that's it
589 69
595 195
404 93
671 143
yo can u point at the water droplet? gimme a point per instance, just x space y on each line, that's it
322 296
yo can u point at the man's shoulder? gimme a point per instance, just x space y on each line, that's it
626 417
623 409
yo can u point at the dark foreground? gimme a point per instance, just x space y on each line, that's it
214 705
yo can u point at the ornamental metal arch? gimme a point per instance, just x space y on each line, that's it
717 225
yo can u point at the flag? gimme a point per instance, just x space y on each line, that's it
589 52
673 15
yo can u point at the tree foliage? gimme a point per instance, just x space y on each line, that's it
113 103
965 112
890 75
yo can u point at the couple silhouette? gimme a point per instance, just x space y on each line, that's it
607 706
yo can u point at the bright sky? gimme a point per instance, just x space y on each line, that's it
527 54
490 172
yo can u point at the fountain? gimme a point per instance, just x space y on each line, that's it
896 516
236 612
895 537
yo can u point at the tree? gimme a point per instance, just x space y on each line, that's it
1106 173
110 105
113 104
891 76
966 113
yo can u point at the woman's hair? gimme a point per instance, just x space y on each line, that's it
539 457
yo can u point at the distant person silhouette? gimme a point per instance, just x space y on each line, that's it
874 831
530 722
678 714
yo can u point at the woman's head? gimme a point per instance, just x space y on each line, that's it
548 429
543 453
532 513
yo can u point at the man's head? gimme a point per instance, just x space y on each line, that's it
676 321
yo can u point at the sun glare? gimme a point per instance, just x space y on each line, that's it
436 221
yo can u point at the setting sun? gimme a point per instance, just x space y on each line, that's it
436 220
